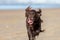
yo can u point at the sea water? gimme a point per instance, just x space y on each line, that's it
23 6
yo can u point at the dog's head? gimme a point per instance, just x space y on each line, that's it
31 14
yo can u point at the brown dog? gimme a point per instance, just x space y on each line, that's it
33 22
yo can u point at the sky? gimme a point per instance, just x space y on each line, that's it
40 1
25 1
30 1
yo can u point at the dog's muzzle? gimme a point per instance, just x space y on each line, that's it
30 21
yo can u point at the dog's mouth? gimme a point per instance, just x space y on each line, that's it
30 21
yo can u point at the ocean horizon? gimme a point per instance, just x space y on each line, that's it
23 6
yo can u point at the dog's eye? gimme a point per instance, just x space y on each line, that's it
32 12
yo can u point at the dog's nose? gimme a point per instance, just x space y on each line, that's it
31 18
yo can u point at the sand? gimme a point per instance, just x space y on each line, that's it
13 27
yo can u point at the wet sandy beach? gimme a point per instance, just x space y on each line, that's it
12 25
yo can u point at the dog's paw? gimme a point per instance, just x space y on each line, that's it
42 30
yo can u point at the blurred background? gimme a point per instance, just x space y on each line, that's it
13 24
21 4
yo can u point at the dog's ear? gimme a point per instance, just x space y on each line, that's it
28 8
39 12
27 11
